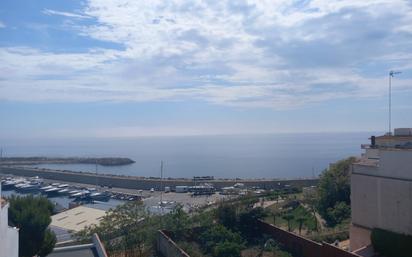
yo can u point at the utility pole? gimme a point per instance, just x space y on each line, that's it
391 74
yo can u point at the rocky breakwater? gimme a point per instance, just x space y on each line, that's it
106 161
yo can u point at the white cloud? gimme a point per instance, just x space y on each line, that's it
276 54
66 14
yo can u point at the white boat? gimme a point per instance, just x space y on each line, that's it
54 191
80 194
64 191
45 188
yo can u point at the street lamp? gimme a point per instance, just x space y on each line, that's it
391 74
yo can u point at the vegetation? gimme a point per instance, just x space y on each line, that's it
391 244
334 192
127 229
230 230
221 241
296 217
32 216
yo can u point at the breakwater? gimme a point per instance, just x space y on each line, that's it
104 161
132 182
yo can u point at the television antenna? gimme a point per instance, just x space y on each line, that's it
391 75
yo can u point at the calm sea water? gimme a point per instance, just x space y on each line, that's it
237 156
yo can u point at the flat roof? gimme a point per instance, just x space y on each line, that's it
367 162
77 218
392 137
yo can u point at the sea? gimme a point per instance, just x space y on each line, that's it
270 156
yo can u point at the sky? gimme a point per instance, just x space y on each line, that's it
119 68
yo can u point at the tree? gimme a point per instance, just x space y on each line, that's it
32 216
334 187
127 228
227 249
338 213
248 222
177 221
220 240
300 221
288 218
226 215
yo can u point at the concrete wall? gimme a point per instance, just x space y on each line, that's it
99 246
396 163
301 246
379 202
382 202
146 184
167 247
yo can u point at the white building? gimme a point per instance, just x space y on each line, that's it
381 188
9 237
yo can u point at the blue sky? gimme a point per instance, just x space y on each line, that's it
120 68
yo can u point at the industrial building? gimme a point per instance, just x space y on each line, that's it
381 188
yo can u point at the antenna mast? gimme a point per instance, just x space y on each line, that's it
391 74
161 184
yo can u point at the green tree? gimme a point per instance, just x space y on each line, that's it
334 187
300 221
216 234
177 221
338 213
32 215
227 249
288 217
226 215
248 222
126 228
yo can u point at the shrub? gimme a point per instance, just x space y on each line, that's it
391 244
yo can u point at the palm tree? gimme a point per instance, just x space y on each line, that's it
300 220
288 218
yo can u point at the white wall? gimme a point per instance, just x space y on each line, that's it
396 163
9 243
383 203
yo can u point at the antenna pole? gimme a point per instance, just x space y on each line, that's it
97 178
161 184
391 74
390 102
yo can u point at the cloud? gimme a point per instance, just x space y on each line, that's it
65 14
259 54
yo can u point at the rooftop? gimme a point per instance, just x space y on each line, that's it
77 218
367 162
